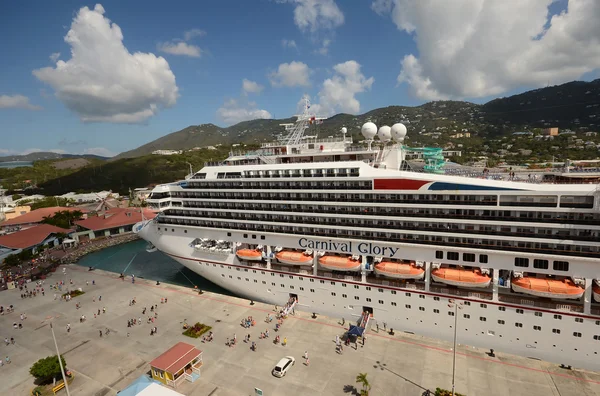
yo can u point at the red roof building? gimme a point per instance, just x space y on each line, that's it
31 237
171 365
115 218
36 216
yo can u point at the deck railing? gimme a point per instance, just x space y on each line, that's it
514 299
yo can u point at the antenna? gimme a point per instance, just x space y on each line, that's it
296 130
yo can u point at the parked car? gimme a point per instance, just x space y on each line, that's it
283 366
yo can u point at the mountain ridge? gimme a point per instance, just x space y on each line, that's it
573 104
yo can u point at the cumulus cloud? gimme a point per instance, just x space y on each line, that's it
16 102
289 44
338 93
477 48
54 57
190 34
314 15
251 87
180 48
293 74
234 111
103 81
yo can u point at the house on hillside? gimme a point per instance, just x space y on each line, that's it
34 218
31 238
114 221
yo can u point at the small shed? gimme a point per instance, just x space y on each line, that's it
180 362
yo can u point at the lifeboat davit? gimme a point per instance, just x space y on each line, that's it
596 290
399 270
291 257
551 288
339 263
249 254
461 277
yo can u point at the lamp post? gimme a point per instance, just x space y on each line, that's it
456 306
62 369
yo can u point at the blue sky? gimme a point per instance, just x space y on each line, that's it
348 56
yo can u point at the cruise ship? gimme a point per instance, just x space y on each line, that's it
356 231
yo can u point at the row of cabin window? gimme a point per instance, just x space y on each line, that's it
542 264
450 313
342 233
407 294
468 257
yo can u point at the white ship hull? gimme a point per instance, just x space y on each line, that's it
482 323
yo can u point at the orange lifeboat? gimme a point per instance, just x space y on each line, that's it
399 270
291 257
461 277
249 254
596 290
339 263
551 288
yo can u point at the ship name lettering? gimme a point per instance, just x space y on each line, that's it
345 247
371 249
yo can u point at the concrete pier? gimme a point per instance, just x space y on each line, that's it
400 364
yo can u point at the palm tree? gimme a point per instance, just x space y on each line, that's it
361 378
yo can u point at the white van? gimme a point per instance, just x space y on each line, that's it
283 366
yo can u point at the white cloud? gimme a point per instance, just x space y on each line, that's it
314 15
101 151
324 50
234 111
180 48
103 81
293 74
54 57
190 34
16 102
338 93
251 87
288 44
480 48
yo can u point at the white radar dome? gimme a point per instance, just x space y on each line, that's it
398 132
369 130
385 133
344 130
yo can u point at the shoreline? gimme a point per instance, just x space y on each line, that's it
83 249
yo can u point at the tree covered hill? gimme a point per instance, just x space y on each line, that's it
571 105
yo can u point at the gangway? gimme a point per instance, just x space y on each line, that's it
361 326
289 306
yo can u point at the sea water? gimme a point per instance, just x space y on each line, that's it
132 258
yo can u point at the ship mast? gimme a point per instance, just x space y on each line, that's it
296 130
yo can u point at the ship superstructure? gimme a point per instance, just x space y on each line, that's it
348 229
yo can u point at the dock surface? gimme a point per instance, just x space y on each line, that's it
399 364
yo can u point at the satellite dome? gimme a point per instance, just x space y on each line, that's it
369 130
385 134
398 132
344 130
